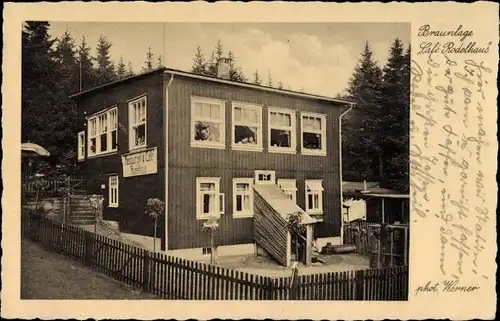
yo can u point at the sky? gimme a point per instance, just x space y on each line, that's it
316 57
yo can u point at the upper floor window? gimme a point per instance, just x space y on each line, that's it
102 132
209 200
207 123
314 196
242 197
313 137
137 110
289 187
81 145
247 127
282 130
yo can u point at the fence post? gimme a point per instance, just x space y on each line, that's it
360 278
270 288
145 272
89 244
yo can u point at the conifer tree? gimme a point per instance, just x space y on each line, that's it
361 130
394 117
130 69
199 64
159 61
121 69
148 63
105 71
256 78
269 79
88 74
235 73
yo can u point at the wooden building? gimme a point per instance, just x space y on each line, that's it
200 144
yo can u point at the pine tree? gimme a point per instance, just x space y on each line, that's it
211 68
159 61
199 64
37 65
235 73
105 68
88 74
394 117
256 78
68 62
269 79
148 63
47 114
361 129
121 69
130 69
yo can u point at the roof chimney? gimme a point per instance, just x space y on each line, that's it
223 68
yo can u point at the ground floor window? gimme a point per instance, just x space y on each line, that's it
314 196
210 202
113 191
242 197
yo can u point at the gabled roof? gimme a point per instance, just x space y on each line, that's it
212 79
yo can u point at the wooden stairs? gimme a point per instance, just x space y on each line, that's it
271 210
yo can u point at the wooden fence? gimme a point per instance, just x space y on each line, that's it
175 278
388 251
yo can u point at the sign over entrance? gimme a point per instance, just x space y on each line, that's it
144 162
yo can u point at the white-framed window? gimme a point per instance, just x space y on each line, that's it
103 133
207 122
314 196
113 191
247 126
137 115
265 177
92 136
313 134
242 197
81 145
289 187
209 200
282 130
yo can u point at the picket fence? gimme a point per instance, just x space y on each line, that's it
171 277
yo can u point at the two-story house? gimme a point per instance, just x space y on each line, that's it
208 146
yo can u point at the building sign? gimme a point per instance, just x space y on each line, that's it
140 163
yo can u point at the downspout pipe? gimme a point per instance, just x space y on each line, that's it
351 106
166 145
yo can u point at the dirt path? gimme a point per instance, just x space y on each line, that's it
46 275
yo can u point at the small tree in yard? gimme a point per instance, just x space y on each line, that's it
154 209
211 225
295 227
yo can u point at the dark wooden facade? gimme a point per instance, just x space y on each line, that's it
185 163
133 191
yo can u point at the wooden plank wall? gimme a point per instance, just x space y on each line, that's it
270 230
